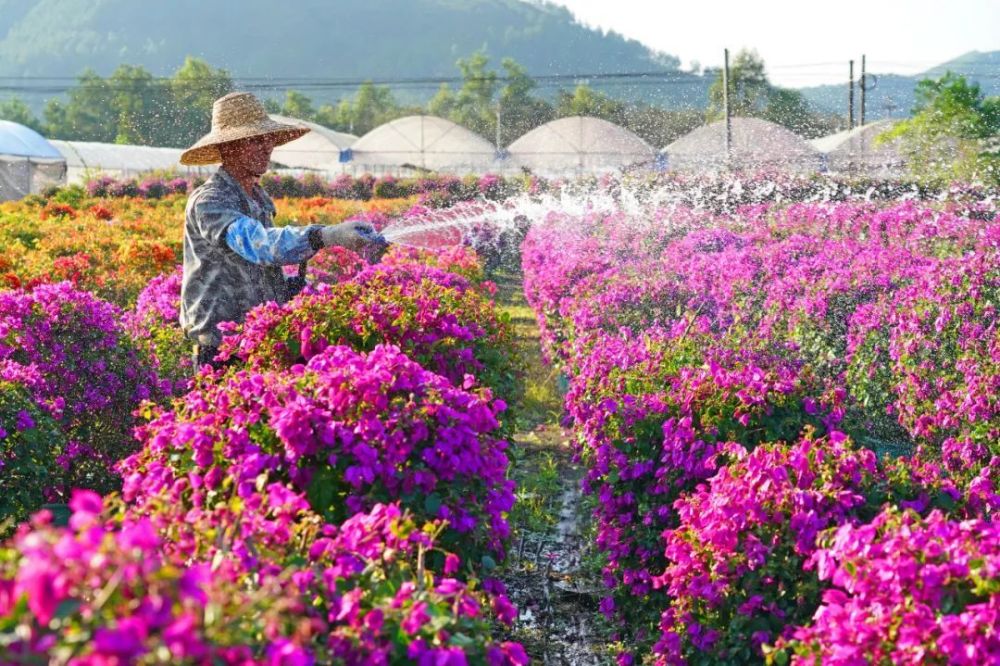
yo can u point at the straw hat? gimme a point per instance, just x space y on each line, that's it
238 115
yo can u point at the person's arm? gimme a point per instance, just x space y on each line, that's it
275 246
222 224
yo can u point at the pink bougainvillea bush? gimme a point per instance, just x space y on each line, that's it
154 326
349 429
88 375
738 567
437 318
109 589
31 443
904 590
687 335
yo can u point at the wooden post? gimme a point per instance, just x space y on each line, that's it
725 103
850 97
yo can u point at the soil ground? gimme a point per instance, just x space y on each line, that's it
552 567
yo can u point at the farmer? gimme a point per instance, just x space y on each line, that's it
233 253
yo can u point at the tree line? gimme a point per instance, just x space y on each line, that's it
132 106
952 133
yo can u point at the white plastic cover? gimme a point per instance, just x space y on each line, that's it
854 151
422 143
319 150
577 145
756 144
86 158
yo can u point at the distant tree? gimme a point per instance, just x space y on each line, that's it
371 106
326 115
144 107
518 110
474 107
134 107
443 102
585 101
15 110
790 108
659 127
194 88
88 115
297 105
752 95
953 132
749 88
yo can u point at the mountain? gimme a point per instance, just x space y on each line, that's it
347 40
892 94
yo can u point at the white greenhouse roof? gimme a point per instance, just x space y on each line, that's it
20 141
423 142
755 142
579 143
853 140
118 157
320 149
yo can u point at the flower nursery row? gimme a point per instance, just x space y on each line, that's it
789 418
439 189
337 496
113 247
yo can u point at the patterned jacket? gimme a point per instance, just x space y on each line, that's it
219 283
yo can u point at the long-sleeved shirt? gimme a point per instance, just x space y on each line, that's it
232 256
277 246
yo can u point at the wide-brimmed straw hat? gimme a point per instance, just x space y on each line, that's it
238 115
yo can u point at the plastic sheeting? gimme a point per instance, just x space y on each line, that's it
22 141
322 149
87 158
578 145
28 163
21 176
756 144
854 151
422 143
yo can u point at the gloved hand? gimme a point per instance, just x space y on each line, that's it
354 236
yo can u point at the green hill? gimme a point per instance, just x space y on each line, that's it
892 94
317 39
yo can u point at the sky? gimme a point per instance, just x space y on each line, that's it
801 44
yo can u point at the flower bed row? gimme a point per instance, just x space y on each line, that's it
728 376
341 496
440 189
113 247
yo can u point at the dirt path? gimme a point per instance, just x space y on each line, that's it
552 569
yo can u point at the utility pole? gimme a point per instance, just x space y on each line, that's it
864 86
850 97
725 103
497 144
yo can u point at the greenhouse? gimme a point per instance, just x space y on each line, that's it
579 145
322 149
85 158
28 163
420 144
855 151
755 144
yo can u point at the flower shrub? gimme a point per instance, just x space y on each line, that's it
113 247
90 377
737 570
349 429
655 416
30 444
154 326
110 590
697 327
437 318
904 590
